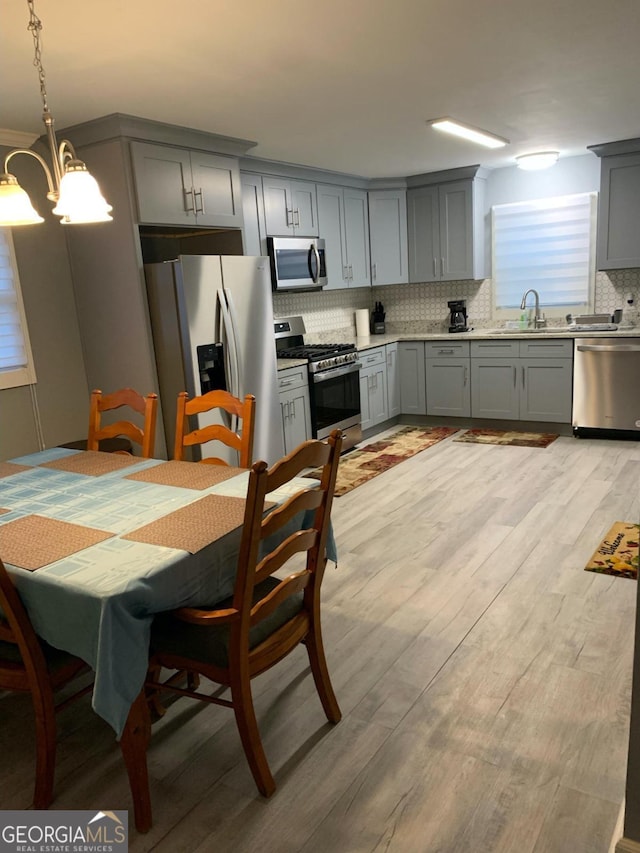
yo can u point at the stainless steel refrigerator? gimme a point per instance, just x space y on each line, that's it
212 325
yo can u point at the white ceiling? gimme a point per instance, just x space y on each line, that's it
345 85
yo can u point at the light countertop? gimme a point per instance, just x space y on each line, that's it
373 341
489 334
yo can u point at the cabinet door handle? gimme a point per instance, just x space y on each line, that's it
465 375
196 193
523 375
284 383
345 273
515 375
297 217
189 208
293 406
374 271
350 272
442 267
445 352
435 268
289 217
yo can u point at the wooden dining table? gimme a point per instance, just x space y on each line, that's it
97 543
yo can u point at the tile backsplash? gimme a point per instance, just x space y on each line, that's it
423 307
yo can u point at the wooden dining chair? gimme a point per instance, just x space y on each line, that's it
29 665
145 406
267 616
241 441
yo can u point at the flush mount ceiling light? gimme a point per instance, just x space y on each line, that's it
465 131
541 160
76 193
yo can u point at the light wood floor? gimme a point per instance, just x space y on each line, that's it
484 679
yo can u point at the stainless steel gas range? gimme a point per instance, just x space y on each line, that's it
334 380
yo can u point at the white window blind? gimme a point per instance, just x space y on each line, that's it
16 363
547 245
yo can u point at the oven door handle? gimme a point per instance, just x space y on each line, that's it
354 367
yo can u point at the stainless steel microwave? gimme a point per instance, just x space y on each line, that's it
297 263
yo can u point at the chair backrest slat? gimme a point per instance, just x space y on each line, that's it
253 568
242 442
144 436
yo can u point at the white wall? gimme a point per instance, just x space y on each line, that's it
569 175
61 394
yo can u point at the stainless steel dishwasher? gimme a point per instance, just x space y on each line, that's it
606 385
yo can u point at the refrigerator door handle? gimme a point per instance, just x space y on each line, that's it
233 324
227 333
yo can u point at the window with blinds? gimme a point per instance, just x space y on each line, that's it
16 362
548 245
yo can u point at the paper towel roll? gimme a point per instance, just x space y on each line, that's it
362 323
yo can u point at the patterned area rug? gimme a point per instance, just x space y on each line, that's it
617 554
514 439
361 465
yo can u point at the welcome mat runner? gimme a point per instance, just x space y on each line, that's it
508 437
617 554
357 467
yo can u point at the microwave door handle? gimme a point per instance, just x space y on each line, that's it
314 278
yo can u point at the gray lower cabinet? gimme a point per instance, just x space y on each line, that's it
393 380
176 186
411 365
448 379
373 387
388 236
294 405
522 380
343 223
494 388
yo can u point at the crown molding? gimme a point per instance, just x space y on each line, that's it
17 138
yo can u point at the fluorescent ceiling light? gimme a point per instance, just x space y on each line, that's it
472 134
541 160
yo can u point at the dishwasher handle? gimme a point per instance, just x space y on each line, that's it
608 348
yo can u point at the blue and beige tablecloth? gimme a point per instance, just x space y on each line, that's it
132 541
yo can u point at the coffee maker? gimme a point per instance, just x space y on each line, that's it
457 315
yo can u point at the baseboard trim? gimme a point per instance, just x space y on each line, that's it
626 845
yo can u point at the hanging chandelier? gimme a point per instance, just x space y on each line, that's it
76 193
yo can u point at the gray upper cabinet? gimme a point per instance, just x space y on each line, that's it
388 236
618 244
290 207
255 230
177 186
446 226
343 220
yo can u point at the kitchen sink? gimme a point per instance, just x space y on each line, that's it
547 330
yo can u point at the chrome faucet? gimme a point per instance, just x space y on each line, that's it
538 320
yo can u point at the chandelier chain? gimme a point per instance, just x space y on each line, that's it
35 25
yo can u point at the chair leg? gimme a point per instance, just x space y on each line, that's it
45 718
318 663
250 735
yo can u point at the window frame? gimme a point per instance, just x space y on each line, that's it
556 311
18 375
